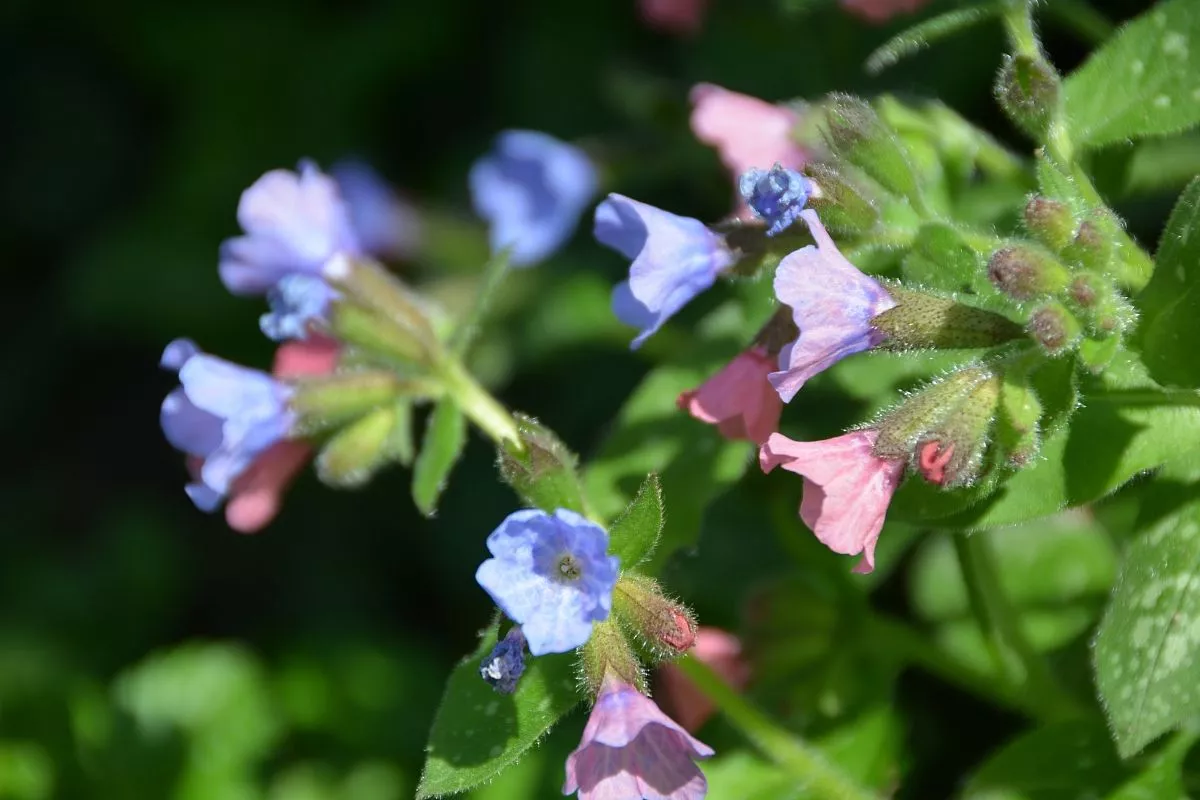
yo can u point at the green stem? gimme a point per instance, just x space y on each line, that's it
1015 657
480 407
812 770
1077 15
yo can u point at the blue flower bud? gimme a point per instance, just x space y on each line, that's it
776 196
296 301
503 666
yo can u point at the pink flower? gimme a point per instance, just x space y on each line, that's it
747 132
631 749
832 305
739 399
879 11
257 494
681 17
679 697
847 488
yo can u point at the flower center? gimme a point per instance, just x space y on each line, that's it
567 568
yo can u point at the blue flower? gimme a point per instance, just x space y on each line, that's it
776 196
297 302
550 574
531 190
385 225
674 259
224 414
294 223
503 666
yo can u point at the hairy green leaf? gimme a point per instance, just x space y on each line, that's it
1145 81
1147 651
634 534
445 436
478 733
921 35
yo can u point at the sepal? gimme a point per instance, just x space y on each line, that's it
663 627
922 320
608 651
352 456
1028 89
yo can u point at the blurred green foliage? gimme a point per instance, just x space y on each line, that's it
148 652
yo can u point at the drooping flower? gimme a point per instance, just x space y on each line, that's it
739 399
776 196
384 224
257 495
551 574
631 749
531 189
680 698
502 667
674 259
832 305
223 413
880 11
746 132
680 17
293 223
847 488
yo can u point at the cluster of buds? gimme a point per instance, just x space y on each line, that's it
1063 278
552 576
982 417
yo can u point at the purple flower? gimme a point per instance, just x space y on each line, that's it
385 225
294 223
550 574
776 196
631 749
531 190
674 259
503 666
224 414
832 305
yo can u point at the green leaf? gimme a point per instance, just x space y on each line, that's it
545 473
1147 650
1168 304
940 259
921 35
1142 82
1127 425
1066 759
634 534
445 436
489 283
651 434
478 733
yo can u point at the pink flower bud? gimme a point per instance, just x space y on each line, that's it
880 11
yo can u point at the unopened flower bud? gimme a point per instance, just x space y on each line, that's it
903 428
608 652
1054 328
369 285
843 206
665 628
1027 88
776 196
502 667
950 455
1025 273
858 135
1050 221
328 401
540 468
921 320
1091 249
1018 425
352 456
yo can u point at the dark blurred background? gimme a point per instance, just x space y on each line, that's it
145 649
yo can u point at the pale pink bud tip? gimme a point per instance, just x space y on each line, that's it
847 488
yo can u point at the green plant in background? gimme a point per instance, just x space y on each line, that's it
986 383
